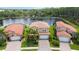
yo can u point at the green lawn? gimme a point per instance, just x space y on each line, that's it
2 48
74 46
29 50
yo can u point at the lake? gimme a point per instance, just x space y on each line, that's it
25 21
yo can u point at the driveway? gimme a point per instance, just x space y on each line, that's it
13 46
64 46
44 45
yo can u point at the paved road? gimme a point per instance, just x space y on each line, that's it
13 46
64 46
44 45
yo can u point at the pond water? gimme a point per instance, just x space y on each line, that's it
12 21
24 21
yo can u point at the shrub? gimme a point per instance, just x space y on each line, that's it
25 36
2 42
55 43
26 31
30 37
53 38
2 39
33 37
52 33
76 39
32 40
24 42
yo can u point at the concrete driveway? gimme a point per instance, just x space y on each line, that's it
64 46
13 46
44 45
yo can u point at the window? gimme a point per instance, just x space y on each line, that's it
43 30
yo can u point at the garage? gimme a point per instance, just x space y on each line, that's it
44 37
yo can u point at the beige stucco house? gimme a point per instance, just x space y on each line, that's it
42 27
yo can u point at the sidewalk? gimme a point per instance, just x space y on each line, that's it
38 47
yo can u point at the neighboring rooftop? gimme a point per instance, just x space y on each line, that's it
17 29
68 27
71 28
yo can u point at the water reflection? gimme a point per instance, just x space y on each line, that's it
27 21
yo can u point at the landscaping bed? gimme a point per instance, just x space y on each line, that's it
30 42
2 39
30 38
54 42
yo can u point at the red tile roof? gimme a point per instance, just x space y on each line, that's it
60 24
68 27
71 28
16 28
39 24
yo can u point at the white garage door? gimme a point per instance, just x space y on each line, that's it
64 39
15 38
44 37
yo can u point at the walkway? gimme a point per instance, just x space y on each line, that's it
64 46
13 46
44 45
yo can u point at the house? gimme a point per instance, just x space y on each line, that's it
42 27
63 27
43 30
14 31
